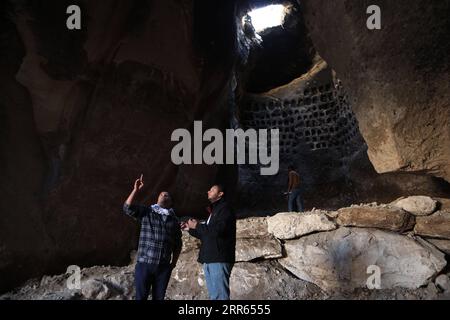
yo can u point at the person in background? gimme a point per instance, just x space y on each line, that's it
295 197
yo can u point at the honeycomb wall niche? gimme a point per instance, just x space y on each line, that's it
319 133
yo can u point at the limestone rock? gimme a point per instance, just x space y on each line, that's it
257 280
267 280
252 228
262 280
94 289
253 240
122 282
436 225
289 225
417 205
402 116
189 242
262 248
444 204
340 259
187 280
375 217
431 291
443 282
441 244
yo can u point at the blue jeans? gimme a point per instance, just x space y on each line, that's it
151 276
217 276
295 201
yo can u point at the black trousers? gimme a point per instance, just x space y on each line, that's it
151 276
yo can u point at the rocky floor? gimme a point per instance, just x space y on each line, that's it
315 255
265 280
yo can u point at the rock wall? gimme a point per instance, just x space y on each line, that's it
85 112
314 110
397 77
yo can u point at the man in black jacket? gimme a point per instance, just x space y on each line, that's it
218 244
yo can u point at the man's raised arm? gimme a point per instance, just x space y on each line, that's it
130 209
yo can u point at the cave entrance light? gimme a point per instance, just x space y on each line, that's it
267 17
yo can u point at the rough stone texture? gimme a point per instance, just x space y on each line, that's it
417 205
444 204
375 217
187 281
269 281
189 243
436 225
252 228
95 290
253 240
443 245
398 77
338 260
262 280
432 291
443 282
290 225
82 112
262 248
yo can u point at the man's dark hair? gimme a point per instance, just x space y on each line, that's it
291 167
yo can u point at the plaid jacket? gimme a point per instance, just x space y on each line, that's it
158 239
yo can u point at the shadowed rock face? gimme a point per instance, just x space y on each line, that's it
84 113
314 109
398 77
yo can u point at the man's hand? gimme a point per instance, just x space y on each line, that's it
184 226
139 183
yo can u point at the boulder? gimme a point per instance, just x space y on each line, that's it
262 280
94 289
187 281
290 225
252 228
262 248
375 217
443 282
253 240
417 205
339 260
268 281
441 244
122 281
189 242
436 225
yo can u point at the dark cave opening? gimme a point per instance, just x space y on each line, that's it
284 53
